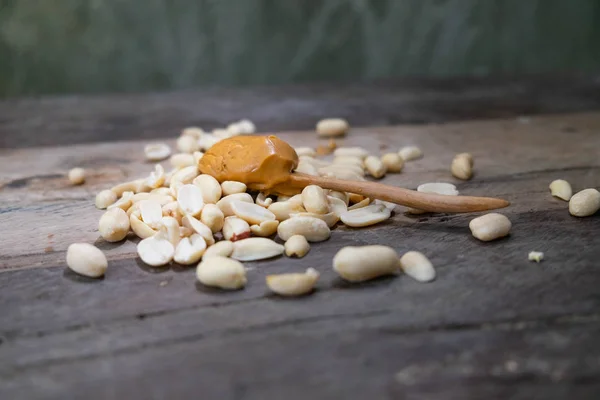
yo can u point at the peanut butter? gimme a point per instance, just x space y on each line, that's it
261 162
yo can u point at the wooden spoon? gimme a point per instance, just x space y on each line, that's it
406 197
265 163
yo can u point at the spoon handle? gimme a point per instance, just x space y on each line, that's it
406 197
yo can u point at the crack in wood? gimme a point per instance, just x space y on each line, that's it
22 182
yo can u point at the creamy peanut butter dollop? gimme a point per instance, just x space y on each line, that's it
261 162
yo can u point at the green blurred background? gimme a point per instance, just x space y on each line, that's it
78 46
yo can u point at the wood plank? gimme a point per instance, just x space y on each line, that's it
134 312
51 121
487 302
482 279
350 358
508 153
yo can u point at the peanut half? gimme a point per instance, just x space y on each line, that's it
366 216
257 248
189 250
225 203
157 151
156 250
561 189
251 213
417 266
293 284
235 228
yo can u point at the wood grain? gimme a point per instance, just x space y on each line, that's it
51 121
492 324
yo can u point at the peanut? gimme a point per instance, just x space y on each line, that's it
190 199
561 189
462 166
223 248
351 152
114 225
87 260
490 226
283 209
330 218
263 200
375 167
265 228
156 250
221 272
393 162
297 246
362 263
182 160
210 188
200 228
156 178
409 153
366 216
313 229
257 248
314 200
77 176
192 131
235 228
417 266
251 213
232 187
293 284
141 229
585 203
105 198
213 217
151 213
187 144
331 127
157 151
225 203
190 250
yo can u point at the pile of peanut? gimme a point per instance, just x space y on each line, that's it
189 218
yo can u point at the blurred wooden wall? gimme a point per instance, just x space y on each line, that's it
58 46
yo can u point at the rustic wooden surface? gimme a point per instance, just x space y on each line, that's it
491 325
78 119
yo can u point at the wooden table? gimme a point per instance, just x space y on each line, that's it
491 325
